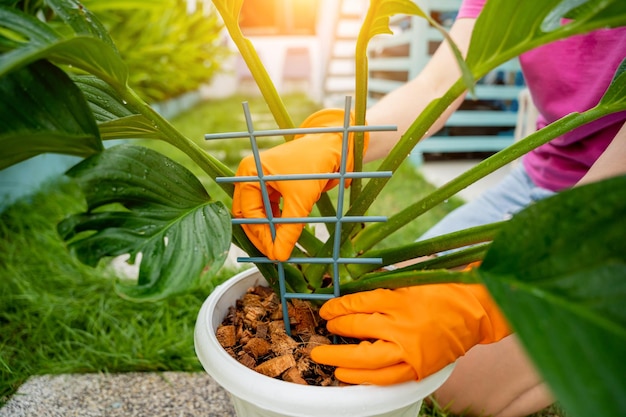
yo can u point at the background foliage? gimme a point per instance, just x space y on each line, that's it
168 51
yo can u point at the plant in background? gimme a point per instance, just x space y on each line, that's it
168 50
556 289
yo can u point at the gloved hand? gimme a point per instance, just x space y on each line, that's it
409 333
306 154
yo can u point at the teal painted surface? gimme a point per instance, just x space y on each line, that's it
26 177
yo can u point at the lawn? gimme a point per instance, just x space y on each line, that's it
59 316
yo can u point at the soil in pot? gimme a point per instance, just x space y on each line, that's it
254 334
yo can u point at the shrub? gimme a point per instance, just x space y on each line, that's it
168 50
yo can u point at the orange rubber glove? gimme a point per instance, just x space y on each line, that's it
409 333
306 154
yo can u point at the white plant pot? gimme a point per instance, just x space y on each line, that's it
254 394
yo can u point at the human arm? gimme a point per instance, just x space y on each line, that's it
403 105
611 163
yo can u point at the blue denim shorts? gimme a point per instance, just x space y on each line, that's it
506 198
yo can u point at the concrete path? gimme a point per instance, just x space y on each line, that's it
167 394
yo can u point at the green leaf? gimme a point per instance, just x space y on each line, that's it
616 93
116 118
130 127
24 26
380 12
377 22
46 113
609 12
89 53
557 271
104 101
167 216
493 43
81 20
229 9
99 5
161 40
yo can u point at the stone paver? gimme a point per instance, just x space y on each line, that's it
167 394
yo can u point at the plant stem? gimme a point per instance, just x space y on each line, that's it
209 164
399 279
272 98
427 247
360 105
395 157
258 71
454 259
376 232
404 146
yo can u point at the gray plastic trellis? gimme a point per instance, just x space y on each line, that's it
340 218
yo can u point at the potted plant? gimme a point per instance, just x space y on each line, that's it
70 93
254 394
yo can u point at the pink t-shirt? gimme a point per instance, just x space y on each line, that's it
565 76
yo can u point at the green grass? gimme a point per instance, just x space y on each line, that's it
59 316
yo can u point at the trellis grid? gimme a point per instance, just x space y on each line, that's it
338 219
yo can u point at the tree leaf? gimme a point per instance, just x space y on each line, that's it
167 216
557 271
46 113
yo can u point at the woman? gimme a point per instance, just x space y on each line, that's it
418 330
